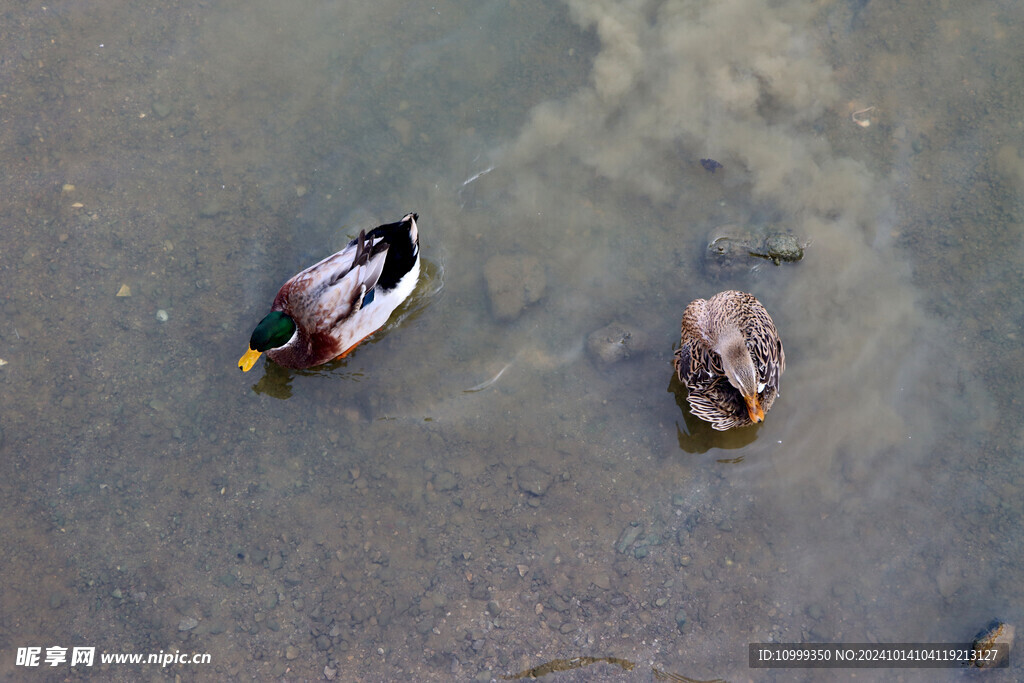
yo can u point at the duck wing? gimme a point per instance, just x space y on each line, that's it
334 289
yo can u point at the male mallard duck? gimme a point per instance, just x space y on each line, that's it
730 358
326 310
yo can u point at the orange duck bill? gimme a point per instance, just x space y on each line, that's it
754 408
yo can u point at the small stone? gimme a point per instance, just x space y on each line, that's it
188 623
124 291
602 581
116 593
212 209
567 627
275 561
162 316
493 608
291 652
330 673
681 619
513 282
679 500
161 109
996 635
444 481
614 342
532 480
628 536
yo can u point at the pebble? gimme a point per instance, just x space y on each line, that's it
291 652
275 561
188 623
628 536
330 673
161 109
162 316
444 481
681 619
532 479
212 209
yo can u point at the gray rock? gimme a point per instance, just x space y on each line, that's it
681 619
615 342
628 536
513 283
188 623
444 481
161 109
275 561
212 209
532 480
734 248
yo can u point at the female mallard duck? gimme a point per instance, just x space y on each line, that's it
730 358
326 310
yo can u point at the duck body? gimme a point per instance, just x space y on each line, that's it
730 358
323 312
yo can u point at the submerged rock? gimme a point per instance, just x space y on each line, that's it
733 248
996 636
513 283
532 480
614 342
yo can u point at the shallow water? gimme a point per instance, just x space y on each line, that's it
398 514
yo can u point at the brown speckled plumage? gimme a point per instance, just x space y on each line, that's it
729 322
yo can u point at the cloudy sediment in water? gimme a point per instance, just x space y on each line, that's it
744 83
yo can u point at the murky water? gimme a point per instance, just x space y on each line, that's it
472 494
